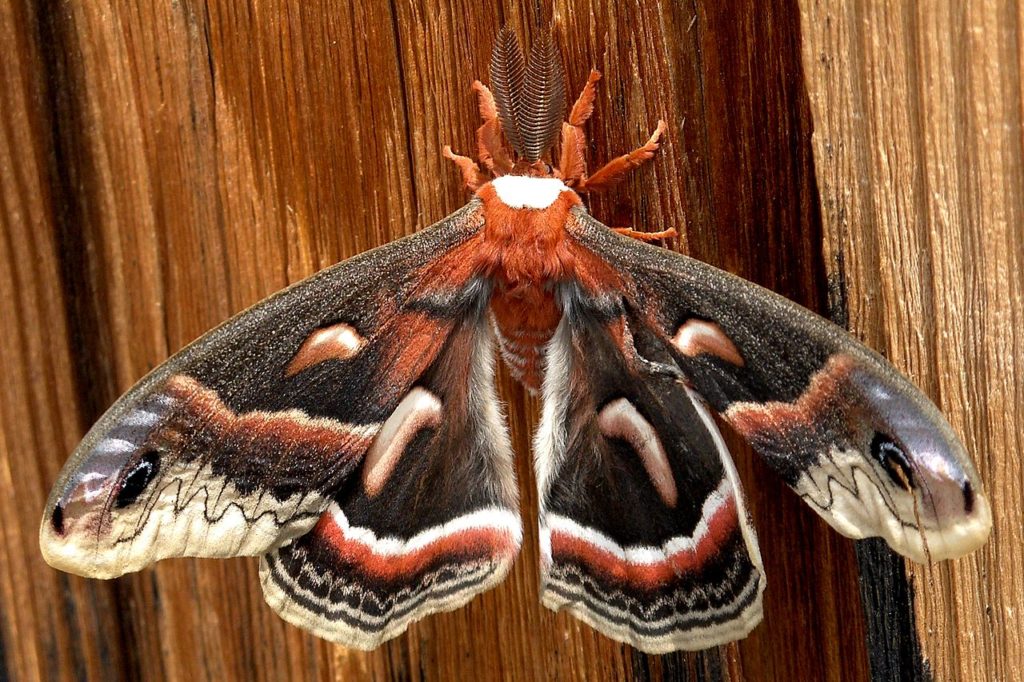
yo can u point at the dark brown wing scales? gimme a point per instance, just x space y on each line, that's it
431 522
643 530
530 96
237 444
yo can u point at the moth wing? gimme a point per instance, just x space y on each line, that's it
854 438
644 534
260 431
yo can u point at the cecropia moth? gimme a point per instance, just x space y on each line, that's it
347 430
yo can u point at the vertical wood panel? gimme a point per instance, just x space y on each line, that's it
919 148
52 624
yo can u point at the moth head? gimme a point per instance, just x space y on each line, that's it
523 112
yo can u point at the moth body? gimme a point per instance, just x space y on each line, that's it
524 251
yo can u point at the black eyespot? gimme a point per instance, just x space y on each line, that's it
57 519
968 497
893 460
140 475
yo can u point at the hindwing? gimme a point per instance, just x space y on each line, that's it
644 532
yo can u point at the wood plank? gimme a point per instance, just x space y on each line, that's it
53 626
920 158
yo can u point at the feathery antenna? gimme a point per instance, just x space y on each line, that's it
530 96
544 98
508 76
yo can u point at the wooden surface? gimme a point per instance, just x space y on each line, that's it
166 165
919 149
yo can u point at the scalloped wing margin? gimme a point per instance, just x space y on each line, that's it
426 527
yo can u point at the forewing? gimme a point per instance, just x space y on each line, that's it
644 534
853 437
238 443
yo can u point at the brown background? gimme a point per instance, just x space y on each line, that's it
165 165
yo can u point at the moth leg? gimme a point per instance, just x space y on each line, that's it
616 169
647 236
572 166
471 175
490 150
584 105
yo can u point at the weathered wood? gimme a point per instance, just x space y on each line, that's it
919 149
167 164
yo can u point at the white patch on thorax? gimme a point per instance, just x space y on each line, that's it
521 191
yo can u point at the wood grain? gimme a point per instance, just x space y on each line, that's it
167 164
919 148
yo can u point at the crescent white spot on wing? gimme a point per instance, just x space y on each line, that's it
619 419
697 337
340 342
419 409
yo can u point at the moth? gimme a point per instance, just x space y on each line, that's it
348 432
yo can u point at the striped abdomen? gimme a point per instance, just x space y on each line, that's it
524 321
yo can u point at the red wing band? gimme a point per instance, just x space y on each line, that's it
345 584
